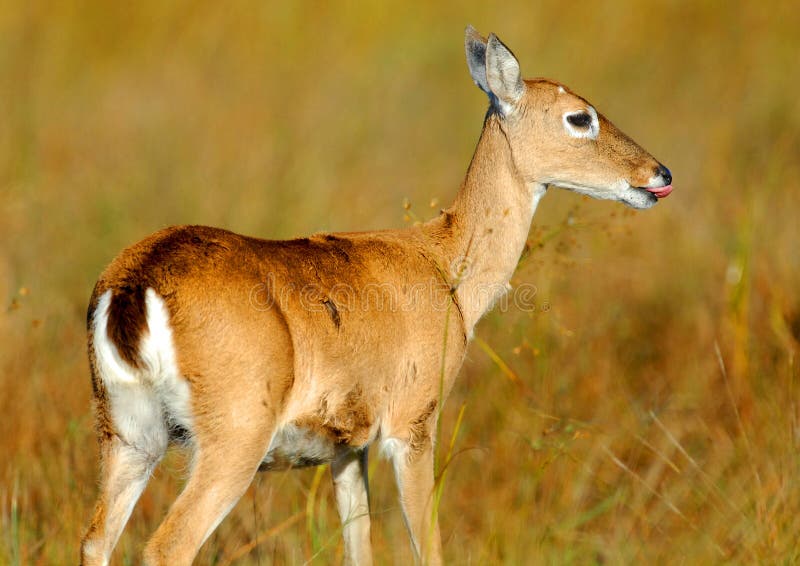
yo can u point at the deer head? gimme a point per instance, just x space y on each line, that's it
558 138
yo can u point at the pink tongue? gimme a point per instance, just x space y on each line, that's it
661 192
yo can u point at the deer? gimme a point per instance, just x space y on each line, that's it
260 355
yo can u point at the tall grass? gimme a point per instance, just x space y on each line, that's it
645 412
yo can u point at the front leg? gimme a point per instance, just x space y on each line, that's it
351 486
413 470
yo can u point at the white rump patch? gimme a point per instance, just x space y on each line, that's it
591 132
112 367
138 397
158 355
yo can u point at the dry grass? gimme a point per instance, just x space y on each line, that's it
603 429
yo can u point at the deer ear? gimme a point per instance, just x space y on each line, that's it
503 74
475 46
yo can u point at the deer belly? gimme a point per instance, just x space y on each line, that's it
297 447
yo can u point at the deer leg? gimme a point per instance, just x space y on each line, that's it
413 469
351 486
125 470
133 439
224 466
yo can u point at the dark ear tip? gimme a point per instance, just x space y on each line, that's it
471 35
496 44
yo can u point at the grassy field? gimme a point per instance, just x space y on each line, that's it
646 412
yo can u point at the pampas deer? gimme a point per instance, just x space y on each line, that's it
265 355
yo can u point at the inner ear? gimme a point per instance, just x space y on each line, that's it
475 47
502 73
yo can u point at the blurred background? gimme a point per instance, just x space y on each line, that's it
646 412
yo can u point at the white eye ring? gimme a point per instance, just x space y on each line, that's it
591 132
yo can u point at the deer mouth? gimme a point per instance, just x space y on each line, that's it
659 192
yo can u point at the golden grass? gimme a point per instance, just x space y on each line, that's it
602 428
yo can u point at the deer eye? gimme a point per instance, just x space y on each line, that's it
582 120
582 123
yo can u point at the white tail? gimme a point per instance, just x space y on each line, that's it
264 354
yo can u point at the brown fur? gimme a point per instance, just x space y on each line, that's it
349 337
348 423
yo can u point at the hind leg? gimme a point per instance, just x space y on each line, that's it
133 439
225 462
125 471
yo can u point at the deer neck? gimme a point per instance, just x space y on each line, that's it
482 236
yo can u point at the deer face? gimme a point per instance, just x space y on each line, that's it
558 138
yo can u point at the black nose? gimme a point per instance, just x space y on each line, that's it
665 174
